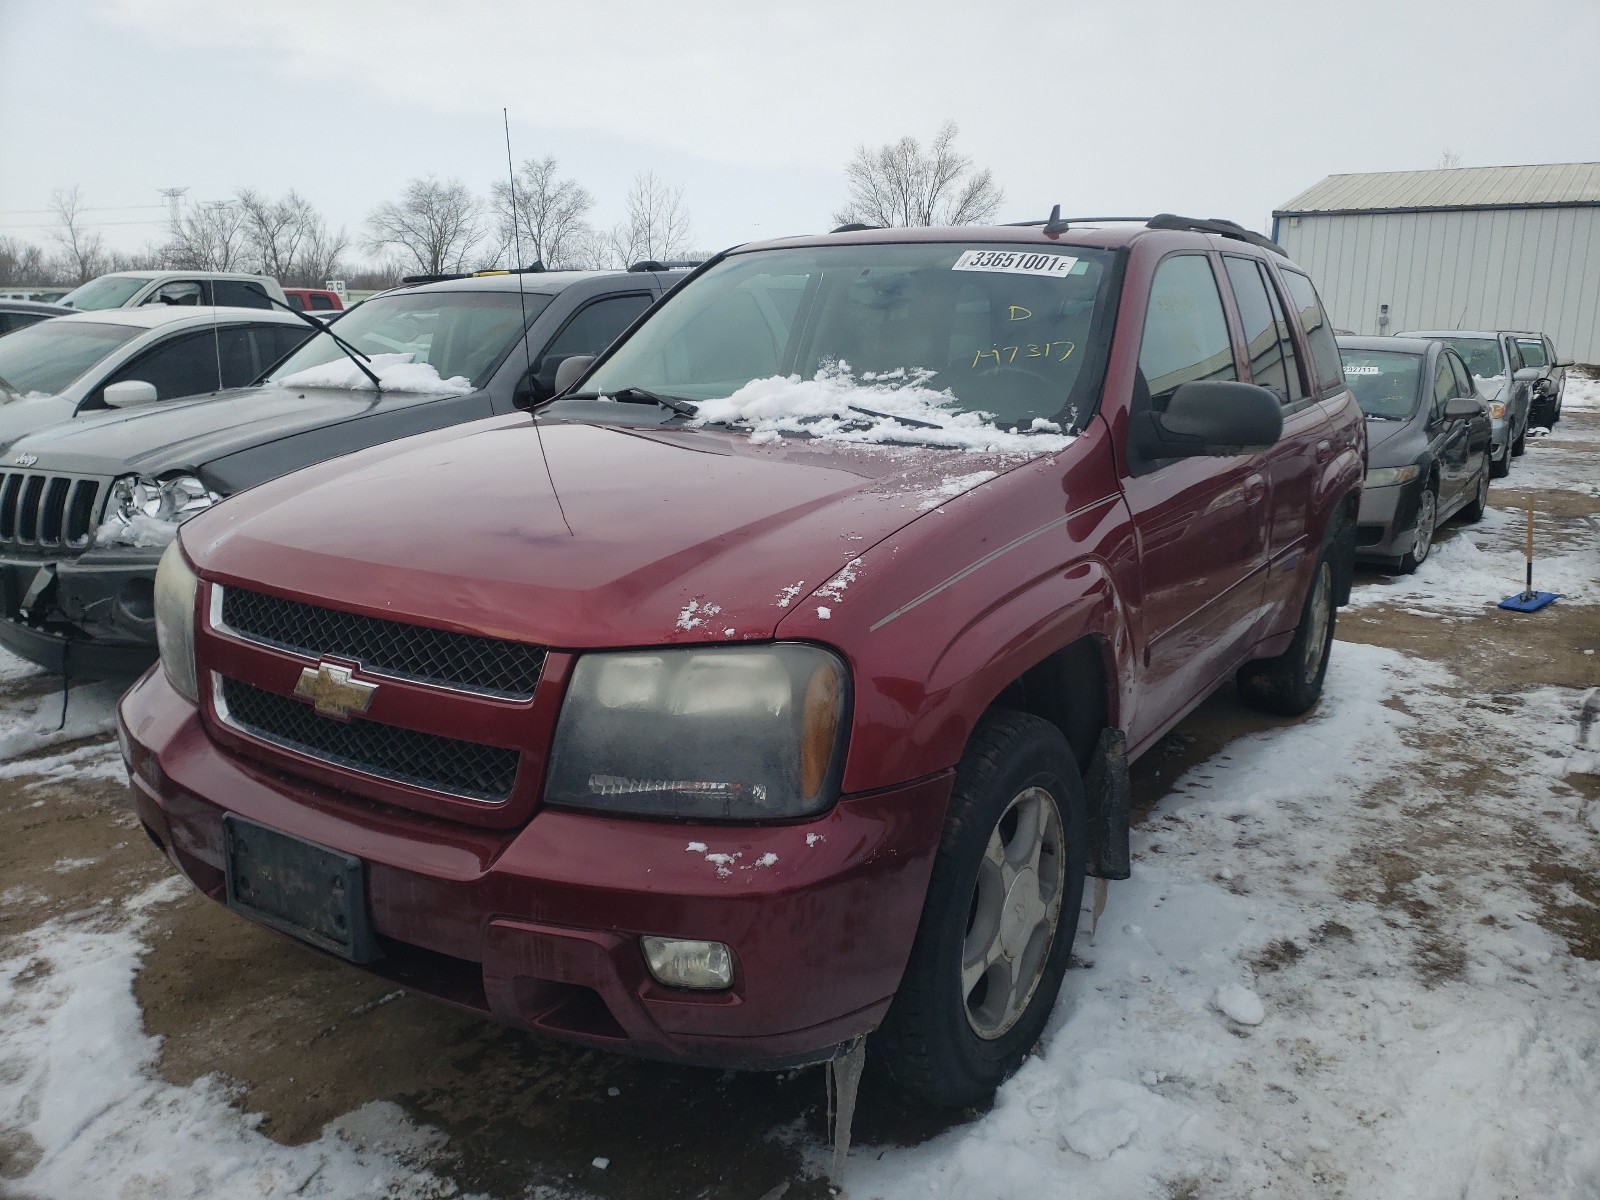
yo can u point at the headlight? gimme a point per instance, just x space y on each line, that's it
176 586
1389 476
736 732
1497 410
147 512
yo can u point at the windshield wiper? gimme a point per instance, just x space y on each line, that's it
914 421
639 395
356 356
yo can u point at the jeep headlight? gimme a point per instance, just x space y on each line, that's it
176 587
147 512
1389 476
721 732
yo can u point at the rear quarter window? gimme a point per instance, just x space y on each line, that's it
1318 330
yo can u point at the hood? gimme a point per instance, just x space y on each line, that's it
27 413
1383 433
1394 443
659 536
186 434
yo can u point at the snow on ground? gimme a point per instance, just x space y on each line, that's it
77 1082
1318 982
396 372
893 407
1582 394
32 725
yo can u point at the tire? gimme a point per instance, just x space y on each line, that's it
1520 446
1427 522
1500 469
1291 683
1473 512
952 1036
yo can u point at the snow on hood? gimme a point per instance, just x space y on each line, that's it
901 408
396 372
1490 385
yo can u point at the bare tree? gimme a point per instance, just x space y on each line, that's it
437 225
275 229
549 214
319 259
1448 158
210 237
656 225
898 184
22 262
83 248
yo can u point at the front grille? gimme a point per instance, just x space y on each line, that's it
457 660
424 760
47 511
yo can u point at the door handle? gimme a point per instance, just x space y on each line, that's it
1255 487
1324 450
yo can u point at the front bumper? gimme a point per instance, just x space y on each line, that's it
96 608
1386 528
538 926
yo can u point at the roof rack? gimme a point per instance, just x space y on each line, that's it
413 279
853 227
1053 224
534 268
666 264
1216 225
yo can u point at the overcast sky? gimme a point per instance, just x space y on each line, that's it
1226 108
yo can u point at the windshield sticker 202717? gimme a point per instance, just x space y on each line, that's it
1367 370
1017 262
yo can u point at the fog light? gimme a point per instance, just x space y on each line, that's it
680 962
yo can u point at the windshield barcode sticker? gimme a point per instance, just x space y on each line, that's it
1017 262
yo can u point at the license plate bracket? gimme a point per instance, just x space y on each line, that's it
298 887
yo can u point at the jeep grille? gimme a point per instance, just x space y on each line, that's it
43 512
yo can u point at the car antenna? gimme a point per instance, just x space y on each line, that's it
359 357
527 350
216 334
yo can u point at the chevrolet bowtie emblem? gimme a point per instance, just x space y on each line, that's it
334 692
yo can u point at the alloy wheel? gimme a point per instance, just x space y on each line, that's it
1014 914
1427 510
1320 613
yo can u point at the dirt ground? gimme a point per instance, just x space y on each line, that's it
307 1039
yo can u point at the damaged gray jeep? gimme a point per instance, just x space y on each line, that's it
87 508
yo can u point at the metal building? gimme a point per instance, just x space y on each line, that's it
1462 248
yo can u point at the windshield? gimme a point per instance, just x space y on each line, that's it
1384 381
48 356
109 291
990 329
1482 355
455 335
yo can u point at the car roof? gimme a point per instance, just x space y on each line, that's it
1483 334
196 274
152 316
534 283
1105 233
1395 345
34 306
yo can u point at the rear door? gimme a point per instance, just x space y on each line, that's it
1202 523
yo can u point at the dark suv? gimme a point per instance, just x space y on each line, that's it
776 685
86 508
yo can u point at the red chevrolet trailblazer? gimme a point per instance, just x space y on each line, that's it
775 685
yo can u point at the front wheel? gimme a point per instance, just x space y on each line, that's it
999 921
1473 512
1291 683
1520 446
1422 543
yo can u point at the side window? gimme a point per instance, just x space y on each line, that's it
1263 330
183 366
319 302
240 293
296 301
1444 387
589 331
1533 354
1185 333
1513 355
1291 357
1319 333
1458 369
181 292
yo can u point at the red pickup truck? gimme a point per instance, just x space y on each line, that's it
775 685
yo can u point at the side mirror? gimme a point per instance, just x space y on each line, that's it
1462 409
1214 419
130 392
1526 374
570 370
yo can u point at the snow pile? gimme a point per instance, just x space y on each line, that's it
1408 1029
1489 386
86 1113
1582 394
396 372
31 725
951 487
1478 566
901 408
